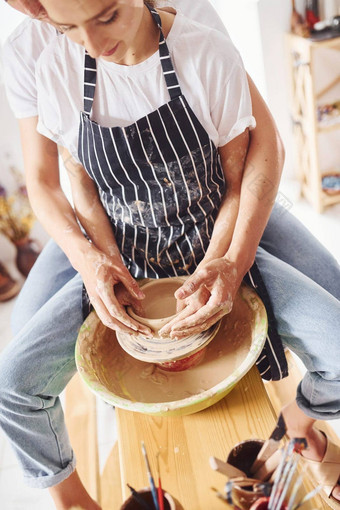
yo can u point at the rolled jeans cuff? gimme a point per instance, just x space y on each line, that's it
44 482
312 411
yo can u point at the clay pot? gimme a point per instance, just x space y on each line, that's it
159 303
184 363
159 309
145 495
28 251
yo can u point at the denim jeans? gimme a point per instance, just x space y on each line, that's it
302 279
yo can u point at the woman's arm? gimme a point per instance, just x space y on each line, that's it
98 262
261 177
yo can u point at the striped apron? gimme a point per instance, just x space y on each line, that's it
161 183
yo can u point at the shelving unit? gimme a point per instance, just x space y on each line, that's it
307 128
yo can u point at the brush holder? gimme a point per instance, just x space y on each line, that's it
242 456
146 496
262 504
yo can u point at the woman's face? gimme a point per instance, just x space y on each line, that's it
32 8
110 29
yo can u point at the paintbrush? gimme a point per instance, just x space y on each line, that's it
270 445
308 496
138 498
159 490
225 468
285 472
151 480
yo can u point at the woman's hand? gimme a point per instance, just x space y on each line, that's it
204 298
111 287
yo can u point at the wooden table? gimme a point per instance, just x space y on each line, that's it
186 443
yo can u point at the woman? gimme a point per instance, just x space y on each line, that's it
239 257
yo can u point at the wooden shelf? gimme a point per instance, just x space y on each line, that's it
324 128
301 54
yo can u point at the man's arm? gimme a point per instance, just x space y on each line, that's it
99 261
260 182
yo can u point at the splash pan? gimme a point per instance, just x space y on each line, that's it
131 384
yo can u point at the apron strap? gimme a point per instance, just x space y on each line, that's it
90 78
168 69
90 70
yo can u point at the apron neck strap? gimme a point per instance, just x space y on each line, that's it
90 69
166 62
90 79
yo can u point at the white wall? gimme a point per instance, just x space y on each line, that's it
9 19
257 28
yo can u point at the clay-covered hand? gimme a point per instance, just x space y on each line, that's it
204 298
110 286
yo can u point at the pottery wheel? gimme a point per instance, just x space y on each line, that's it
160 350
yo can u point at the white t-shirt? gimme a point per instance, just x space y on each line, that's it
20 54
25 45
208 67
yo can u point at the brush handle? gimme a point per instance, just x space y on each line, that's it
268 467
269 447
153 491
160 495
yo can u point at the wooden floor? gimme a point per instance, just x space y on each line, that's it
106 488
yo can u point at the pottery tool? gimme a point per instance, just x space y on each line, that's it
159 490
151 480
225 468
268 468
270 446
138 498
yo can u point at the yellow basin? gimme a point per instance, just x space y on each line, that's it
131 384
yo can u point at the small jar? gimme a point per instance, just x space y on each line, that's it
312 12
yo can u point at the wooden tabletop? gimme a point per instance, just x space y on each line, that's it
186 443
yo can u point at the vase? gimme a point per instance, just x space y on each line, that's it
9 288
28 251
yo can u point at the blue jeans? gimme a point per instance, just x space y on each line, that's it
302 280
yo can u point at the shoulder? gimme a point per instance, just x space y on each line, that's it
199 10
61 58
204 46
29 39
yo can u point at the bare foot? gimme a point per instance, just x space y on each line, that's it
300 425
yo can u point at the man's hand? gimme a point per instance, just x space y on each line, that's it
204 298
